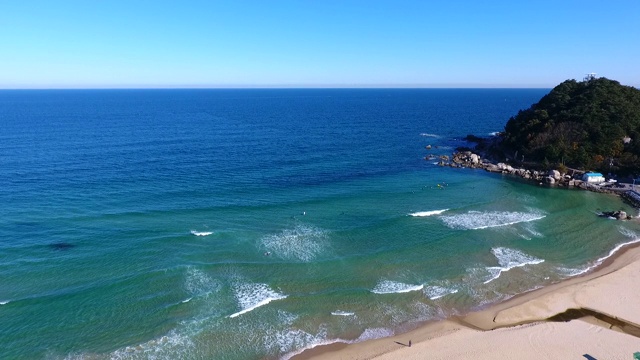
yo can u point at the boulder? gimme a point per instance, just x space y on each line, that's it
475 159
555 174
621 215
550 180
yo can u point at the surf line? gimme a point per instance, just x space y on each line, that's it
257 305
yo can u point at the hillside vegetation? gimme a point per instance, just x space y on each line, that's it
591 124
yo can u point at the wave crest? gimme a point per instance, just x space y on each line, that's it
428 213
429 135
509 259
474 220
342 313
252 296
394 287
435 292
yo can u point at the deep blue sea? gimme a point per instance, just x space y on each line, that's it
252 224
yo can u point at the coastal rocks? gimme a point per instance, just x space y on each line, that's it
618 215
632 197
492 168
467 158
555 174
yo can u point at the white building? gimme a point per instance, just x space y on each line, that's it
593 178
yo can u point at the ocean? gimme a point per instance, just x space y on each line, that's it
255 223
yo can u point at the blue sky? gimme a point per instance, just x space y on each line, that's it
326 43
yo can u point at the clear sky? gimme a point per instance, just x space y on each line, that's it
309 43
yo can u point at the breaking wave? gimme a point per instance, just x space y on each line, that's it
436 292
342 313
474 220
430 135
394 287
624 231
252 296
201 233
428 213
509 259
367 334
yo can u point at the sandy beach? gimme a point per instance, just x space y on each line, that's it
595 316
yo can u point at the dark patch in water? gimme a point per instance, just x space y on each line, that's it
61 246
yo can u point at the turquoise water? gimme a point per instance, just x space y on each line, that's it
247 224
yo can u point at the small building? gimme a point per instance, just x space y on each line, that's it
593 178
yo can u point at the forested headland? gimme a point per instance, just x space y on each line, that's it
591 125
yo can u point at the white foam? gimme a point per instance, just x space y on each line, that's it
4 302
198 283
301 243
290 339
626 232
436 292
374 333
428 213
201 233
186 300
474 220
573 272
342 313
530 229
394 287
430 135
509 259
171 346
313 345
579 271
367 334
252 296
495 133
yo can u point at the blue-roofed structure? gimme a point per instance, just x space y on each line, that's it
593 177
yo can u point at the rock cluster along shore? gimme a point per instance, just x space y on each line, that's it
468 159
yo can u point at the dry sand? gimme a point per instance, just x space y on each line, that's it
604 324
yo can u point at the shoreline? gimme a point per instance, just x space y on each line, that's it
528 312
551 178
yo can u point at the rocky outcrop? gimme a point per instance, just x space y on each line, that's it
618 215
469 159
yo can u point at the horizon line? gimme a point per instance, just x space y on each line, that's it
274 87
